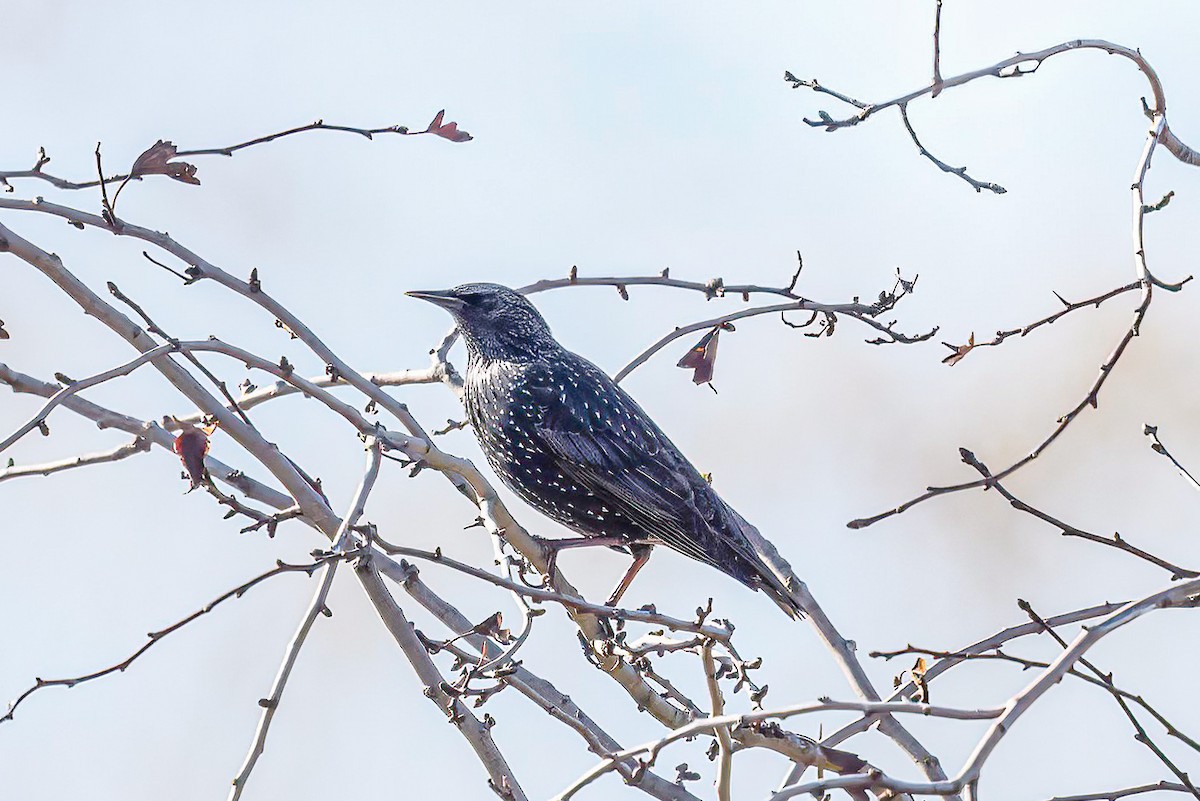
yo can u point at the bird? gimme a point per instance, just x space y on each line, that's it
569 441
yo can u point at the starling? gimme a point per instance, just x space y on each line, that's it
562 435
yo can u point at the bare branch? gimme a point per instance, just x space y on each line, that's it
1067 530
315 607
1161 449
862 312
39 419
477 735
1068 307
1019 65
724 741
305 495
1014 709
537 689
906 690
139 445
652 748
36 171
719 633
1113 795
152 431
937 53
961 172
1106 680
281 389
1146 280
155 637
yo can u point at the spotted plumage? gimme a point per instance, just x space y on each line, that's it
570 442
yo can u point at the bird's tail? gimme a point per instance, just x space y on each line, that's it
774 575
782 597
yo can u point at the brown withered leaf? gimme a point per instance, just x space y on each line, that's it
702 358
448 130
157 161
492 627
918 674
959 351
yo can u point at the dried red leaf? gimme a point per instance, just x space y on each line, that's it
702 358
157 161
959 351
192 446
448 130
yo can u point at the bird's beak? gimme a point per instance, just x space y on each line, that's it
444 298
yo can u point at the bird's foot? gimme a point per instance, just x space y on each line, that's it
551 552
551 548
641 553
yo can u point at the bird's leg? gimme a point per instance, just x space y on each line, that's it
552 547
641 554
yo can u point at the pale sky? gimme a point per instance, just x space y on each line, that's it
624 140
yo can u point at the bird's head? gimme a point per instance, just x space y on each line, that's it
496 322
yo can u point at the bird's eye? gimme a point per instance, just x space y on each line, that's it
478 300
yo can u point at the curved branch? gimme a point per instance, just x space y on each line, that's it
315 607
859 311
155 637
502 780
36 172
1013 709
718 633
1019 65
709 724
1146 280
139 445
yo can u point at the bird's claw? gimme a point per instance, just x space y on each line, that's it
551 552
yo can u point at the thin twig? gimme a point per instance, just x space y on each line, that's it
1016 706
708 724
66 392
106 418
315 607
537 689
862 312
937 52
1113 795
155 637
50 265
139 445
1146 281
906 690
501 780
718 633
1116 541
36 171
961 172
1000 655
1068 307
1106 679
1161 449
154 328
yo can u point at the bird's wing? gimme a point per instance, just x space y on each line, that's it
602 439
